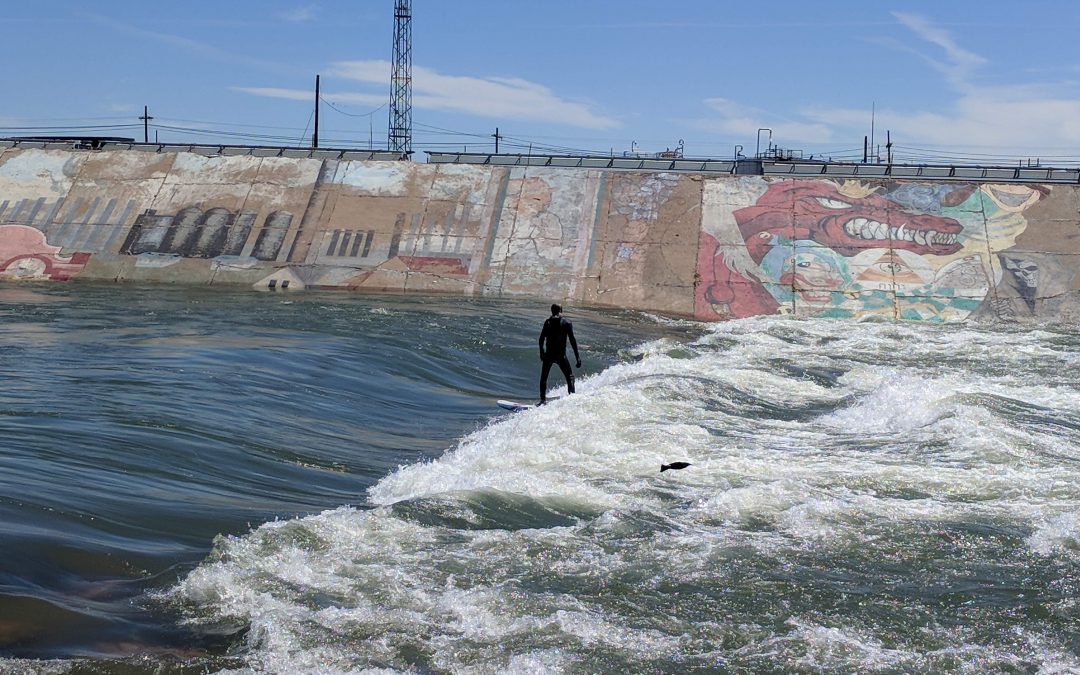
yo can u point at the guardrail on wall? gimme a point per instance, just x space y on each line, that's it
1022 174
1017 174
766 167
211 150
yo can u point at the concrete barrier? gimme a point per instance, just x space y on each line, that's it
704 245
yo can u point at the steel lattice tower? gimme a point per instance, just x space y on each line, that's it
401 80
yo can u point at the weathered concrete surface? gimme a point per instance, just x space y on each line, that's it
707 246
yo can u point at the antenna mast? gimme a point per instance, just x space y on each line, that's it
401 80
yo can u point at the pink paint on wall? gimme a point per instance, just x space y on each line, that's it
26 254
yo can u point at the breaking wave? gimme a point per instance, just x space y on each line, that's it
860 496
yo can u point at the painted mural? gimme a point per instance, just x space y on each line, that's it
407 227
644 244
216 232
704 246
543 236
25 254
914 251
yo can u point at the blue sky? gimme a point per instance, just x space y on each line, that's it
953 80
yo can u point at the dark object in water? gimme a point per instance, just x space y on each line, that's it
674 465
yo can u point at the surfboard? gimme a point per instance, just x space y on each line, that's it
513 405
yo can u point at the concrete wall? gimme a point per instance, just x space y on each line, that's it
706 246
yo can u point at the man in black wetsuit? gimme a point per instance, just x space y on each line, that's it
557 330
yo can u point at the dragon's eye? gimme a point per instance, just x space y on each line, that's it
802 263
832 203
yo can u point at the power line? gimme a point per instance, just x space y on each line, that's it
437 137
306 127
228 124
451 131
73 128
348 114
291 139
81 119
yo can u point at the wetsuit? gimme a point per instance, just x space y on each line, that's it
557 331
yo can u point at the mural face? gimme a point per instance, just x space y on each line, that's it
847 224
26 255
823 248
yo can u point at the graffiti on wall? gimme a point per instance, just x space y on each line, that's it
439 244
25 254
76 224
194 233
714 247
925 252
542 241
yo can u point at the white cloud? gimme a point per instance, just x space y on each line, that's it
499 98
299 14
277 92
958 62
200 49
1032 118
744 121
309 95
1001 121
364 71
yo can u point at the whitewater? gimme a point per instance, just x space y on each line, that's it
861 497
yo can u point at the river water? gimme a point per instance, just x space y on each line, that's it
196 481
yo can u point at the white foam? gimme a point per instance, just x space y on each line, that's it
37 667
912 440
827 648
1057 534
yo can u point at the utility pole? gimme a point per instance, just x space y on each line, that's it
146 124
315 134
497 137
400 139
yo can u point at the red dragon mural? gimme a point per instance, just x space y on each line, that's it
814 211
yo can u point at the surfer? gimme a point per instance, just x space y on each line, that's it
557 330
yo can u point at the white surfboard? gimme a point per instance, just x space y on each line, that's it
513 405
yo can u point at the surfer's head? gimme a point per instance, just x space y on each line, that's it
556 309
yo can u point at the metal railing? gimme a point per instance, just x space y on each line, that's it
774 167
588 161
210 150
762 167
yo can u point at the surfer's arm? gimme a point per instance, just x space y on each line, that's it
543 334
573 341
